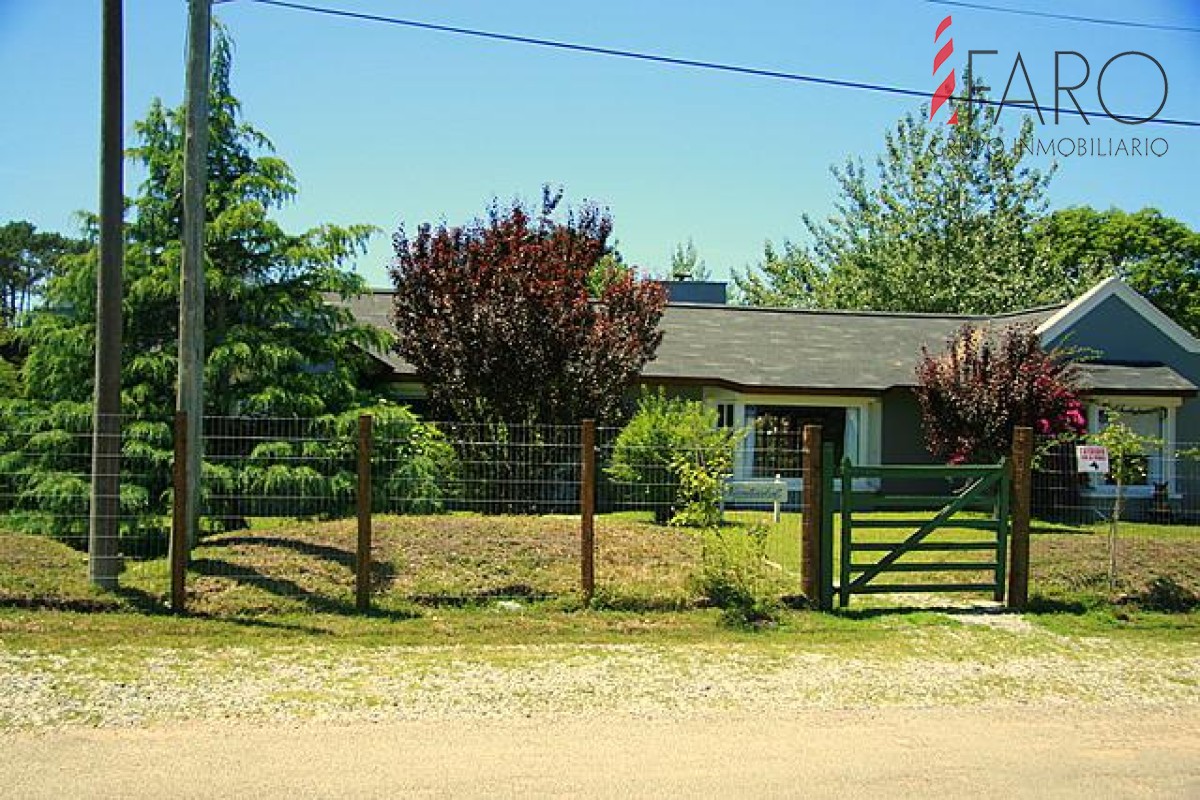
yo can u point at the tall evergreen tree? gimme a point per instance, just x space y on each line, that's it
274 345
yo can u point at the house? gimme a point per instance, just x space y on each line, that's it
776 370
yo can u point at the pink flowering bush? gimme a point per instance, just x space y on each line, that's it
986 383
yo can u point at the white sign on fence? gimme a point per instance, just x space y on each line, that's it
759 492
1090 458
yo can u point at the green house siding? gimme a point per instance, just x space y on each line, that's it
1116 332
903 437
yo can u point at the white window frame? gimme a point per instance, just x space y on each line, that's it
1161 465
863 435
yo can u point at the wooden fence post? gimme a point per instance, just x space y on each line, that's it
825 545
179 516
587 509
810 534
362 556
1022 491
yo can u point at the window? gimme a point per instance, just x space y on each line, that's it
724 415
776 439
1149 422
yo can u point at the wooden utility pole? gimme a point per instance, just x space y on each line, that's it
1022 500
104 560
190 396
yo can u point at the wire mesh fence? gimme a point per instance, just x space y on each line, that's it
671 513
47 546
1091 534
469 513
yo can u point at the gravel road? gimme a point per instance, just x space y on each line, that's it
122 687
1013 711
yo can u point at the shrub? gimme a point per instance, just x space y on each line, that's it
312 469
522 468
734 576
675 457
985 384
252 467
45 469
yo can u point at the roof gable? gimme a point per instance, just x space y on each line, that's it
1061 323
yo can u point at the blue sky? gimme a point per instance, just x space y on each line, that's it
384 124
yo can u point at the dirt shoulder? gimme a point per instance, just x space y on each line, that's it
918 667
879 752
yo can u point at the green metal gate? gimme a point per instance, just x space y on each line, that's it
983 489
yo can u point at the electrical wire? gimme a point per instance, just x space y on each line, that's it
692 63
1028 12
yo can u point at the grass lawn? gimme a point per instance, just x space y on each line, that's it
466 607
282 567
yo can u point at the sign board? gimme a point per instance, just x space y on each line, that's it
1090 458
761 492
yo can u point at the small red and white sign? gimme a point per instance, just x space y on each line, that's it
1091 458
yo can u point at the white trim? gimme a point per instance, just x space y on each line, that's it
1162 461
1073 312
1135 401
867 430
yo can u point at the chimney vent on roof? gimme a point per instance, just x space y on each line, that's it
710 293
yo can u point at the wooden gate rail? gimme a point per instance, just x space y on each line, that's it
989 483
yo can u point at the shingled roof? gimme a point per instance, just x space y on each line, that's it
795 350
825 352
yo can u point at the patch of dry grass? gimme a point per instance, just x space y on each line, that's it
289 566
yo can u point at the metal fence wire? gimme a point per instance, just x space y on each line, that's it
46 505
1090 534
467 513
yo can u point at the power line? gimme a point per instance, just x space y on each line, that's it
1027 12
688 62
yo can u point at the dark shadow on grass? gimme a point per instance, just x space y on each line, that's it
79 605
284 588
604 601
874 612
334 554
1041 604
280 587
143 601
1039 528
447 599
261 622
123 598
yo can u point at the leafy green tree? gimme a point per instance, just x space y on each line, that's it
1157 255
687 265
274 345
941 224
28 257
1127 465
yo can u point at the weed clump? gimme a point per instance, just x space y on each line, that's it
1164 595
735 577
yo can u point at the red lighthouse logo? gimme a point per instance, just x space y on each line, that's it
946 89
